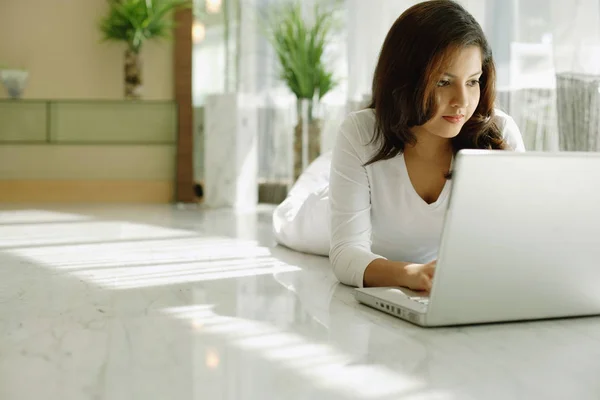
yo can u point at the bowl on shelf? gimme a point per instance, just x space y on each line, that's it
14 80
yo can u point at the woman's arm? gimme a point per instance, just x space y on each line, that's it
350 252
350 207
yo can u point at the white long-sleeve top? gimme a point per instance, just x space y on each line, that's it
375 211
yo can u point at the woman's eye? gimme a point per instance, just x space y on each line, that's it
474 82
443 83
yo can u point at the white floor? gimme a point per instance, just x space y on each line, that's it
161 302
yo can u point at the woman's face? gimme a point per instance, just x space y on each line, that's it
457 95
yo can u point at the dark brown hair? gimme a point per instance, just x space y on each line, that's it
415 51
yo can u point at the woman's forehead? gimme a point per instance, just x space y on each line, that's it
461 60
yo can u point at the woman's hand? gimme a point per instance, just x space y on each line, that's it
419 276
382 272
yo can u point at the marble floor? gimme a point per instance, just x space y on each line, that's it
167 302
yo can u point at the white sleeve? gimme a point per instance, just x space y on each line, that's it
350 206
512 135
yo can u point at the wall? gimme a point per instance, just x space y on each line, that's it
104 151
88 174
87 151
58 41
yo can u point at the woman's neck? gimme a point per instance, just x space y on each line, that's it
430 148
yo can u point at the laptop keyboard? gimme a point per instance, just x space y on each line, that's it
419 299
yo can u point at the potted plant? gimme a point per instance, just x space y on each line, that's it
300 49
134 22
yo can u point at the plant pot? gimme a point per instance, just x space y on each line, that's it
133 75
310 149
14 80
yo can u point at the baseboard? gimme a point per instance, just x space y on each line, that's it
89 191
268 192
272 192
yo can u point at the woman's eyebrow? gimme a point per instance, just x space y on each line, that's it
454 76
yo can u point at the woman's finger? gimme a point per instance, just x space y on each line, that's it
427 283
430 268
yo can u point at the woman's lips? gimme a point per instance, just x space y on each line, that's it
454 119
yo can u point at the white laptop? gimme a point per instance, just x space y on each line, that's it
521 241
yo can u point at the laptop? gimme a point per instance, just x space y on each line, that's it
521 241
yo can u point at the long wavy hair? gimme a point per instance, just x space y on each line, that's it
415 52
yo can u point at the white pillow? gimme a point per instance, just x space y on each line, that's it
301 221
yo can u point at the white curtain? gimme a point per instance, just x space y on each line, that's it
259 74
547 54
367 24
576 38
520 34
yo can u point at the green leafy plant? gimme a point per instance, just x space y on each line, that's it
300 42
135 21
300 49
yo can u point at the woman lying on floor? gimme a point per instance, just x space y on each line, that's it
376 204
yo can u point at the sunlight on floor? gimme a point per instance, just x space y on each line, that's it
129 278
38 216
141 252
320 363
157 262
30 235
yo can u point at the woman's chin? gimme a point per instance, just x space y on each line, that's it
449 133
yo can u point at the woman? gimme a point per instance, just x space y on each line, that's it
390 174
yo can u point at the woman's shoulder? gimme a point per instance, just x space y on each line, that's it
509 130
501 118
358 126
